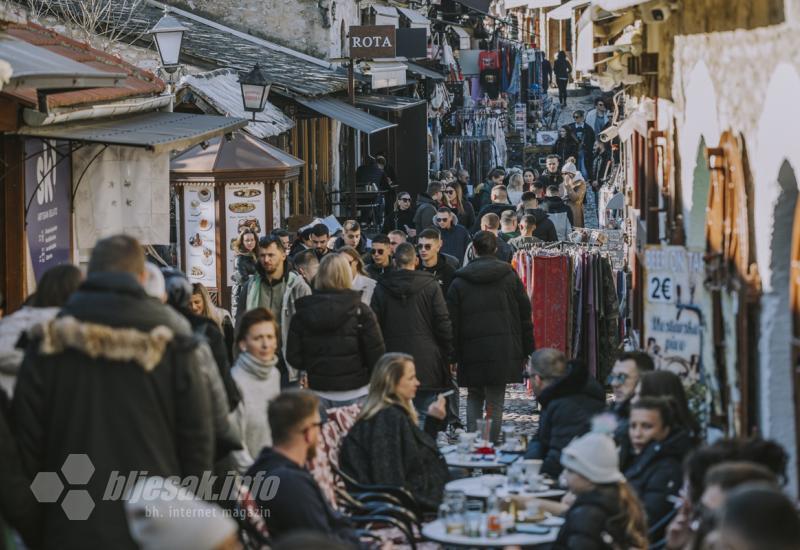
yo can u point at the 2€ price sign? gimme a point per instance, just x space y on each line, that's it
660 289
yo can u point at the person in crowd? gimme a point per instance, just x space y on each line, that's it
454 198
664 383
334 337
320 235
302 242
508 225
396 238
558 212
586 137
515 187
652 460
602 164
605 512
171 516
563 72
528 201
547 75
381 255
529 177
244 265
284 237
492 330
683 528
526 239
568 397
552 174
491 223
483 193
276 288
455 237
498 205
203 306
463 182
567 144
113 354
362 283
727 476
386 445
352 237
295 423
54 289
427 205
306 265
258 371
599 117
401 218
414 319
432 260
574 192
757 516
545 228
625 376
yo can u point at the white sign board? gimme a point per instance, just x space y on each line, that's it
245 206
200 235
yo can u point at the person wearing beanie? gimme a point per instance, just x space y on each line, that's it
605 512
162 514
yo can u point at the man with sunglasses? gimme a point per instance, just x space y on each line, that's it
433 261
380 257
455 237
624 379
296 503
586 137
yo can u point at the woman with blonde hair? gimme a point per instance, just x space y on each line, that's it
454 198
361 281
386 445
334 337
202 305
401 218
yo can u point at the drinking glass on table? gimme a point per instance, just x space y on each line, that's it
484 426
516 475
473 518
508 437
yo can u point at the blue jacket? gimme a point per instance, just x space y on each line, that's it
455 241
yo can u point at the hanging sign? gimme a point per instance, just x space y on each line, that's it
373 41
245 207
200 243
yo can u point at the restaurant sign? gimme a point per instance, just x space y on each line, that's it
373 41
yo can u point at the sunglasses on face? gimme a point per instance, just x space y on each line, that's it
449 192
424 246
576 117
404 199
616 379
378 251
442 220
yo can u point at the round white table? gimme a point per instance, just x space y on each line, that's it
475 487
473 462
436 532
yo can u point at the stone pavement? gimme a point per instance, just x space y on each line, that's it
519 411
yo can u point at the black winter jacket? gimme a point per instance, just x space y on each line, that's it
390 449
398 220
568 405
545 229
414 319
426 210
492 326
455 241
335 338
554 205
115 377
298 503
656 474
377 273
592 520
493 208
443 271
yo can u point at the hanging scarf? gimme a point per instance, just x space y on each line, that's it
255 367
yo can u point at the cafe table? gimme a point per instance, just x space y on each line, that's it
479 487
436 532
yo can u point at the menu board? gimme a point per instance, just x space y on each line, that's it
200 242
245 206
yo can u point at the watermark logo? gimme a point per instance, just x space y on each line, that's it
48 487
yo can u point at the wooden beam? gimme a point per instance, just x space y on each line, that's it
14 242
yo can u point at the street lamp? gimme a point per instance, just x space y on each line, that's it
255 89
168 35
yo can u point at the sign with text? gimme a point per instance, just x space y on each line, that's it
48 193
373 41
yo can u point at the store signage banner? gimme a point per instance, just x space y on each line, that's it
245 207
200 234
48 193
373 41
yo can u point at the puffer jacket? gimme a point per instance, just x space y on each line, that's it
335 339
492 326
595 521
568 405
414 319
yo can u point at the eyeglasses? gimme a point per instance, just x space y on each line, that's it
576 117
424 246
442 220
616 379
378 251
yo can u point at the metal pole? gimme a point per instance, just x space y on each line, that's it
351 169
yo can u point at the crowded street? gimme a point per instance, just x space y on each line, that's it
389 274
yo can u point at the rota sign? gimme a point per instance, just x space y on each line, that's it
373 41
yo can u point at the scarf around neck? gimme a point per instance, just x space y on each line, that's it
256 367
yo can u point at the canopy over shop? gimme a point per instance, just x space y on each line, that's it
224 186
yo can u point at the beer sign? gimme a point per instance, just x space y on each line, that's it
373 41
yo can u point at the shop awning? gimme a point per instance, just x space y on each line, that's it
532 4
347 114
156 131
565 10
385 15
38 68
423 71
387 102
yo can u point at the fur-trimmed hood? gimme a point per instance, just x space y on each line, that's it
146 349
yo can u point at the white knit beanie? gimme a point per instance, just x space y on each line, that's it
569 167
164 515
593 456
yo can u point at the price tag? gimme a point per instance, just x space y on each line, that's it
660 289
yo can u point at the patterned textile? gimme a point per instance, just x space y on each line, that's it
254 529
340 420
550 301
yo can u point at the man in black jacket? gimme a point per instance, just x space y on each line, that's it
586 137
433 261
427 204
413 316
492 330
545 229
297 503
568 397
498 205
116 379
552 173
380 257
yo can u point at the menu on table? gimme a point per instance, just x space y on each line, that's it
200 242
245 206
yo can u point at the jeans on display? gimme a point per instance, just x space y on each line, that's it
493 397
